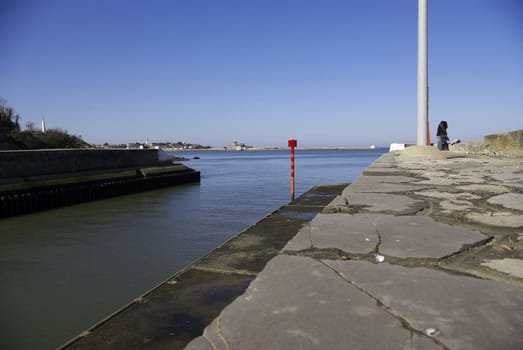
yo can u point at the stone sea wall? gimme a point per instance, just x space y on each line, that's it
29 163
503 144
32 181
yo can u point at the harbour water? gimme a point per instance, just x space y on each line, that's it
63 270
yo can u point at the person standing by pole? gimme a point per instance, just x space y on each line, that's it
442 137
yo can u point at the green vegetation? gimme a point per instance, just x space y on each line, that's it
13 137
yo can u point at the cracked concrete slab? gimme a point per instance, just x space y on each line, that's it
453 205
386 202
355 234
483 188
447 177
508 200
465 180
323 311
388 178
437 181
500 219
370 185
422 237
395 236
447 195
462 312
510 266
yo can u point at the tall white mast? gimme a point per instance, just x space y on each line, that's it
43 125
423 88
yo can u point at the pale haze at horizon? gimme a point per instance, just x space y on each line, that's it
261 72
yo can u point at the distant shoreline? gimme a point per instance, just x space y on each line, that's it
250 149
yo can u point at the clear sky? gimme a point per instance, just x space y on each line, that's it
260 72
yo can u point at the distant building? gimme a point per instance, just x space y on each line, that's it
235 146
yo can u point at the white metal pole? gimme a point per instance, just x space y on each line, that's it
423 105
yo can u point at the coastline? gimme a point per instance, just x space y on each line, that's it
248 149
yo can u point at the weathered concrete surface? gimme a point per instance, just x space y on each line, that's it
510 266
422 251
391 236
314 309
503 144
30 163
467 312
508 141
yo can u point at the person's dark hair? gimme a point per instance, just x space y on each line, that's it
442 128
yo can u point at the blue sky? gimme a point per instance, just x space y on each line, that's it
324 72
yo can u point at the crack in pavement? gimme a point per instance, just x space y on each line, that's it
377 248
466 248
404 322
327 253
309 228
428 262
209 341
219 333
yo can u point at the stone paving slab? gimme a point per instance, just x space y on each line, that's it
483 188
509 266
447 195
370 185
508 200
386 203
355 234
422 237
454 205
300 303
465 312
397 236
500 219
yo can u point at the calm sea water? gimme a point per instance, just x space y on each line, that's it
63 270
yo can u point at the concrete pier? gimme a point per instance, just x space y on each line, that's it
423 251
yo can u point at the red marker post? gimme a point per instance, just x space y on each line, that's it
292 143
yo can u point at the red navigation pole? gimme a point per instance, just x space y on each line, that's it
292 143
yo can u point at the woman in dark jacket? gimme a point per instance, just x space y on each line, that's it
442 136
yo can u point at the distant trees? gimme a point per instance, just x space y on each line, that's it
12 137
8 119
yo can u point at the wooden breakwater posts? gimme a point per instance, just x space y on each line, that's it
28 187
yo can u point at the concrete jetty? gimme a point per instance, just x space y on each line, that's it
423 251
